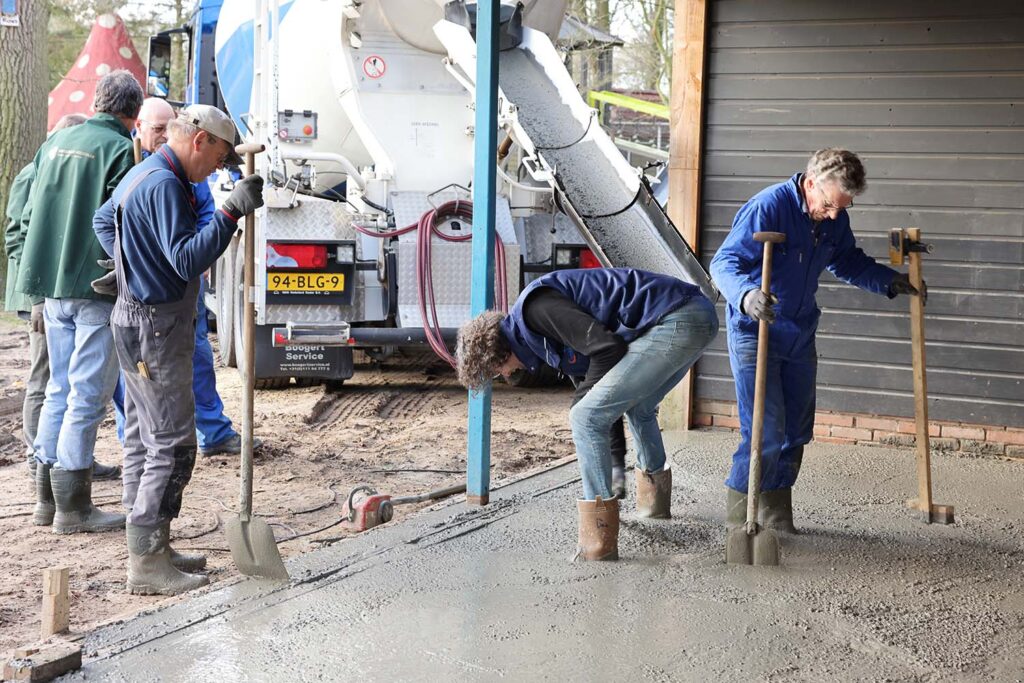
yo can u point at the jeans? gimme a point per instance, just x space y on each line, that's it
83 371
654 363
212 425
788 411
38 377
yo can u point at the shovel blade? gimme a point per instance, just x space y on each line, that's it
254 549
761 549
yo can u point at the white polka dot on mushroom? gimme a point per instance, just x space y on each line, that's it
83 61
102 69
49 101
107 21
76 96
125 52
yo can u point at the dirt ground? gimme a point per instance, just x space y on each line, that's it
400 427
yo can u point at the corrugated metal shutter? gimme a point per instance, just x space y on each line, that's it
931 94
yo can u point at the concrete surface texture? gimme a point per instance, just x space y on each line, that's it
866 593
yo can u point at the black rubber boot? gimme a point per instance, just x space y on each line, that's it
105 472
72 493
186 562
150 571
735 509
777 510
45 507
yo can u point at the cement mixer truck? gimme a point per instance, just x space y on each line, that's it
366 111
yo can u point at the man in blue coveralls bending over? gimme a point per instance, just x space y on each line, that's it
810 208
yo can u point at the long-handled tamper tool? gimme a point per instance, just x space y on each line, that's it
251 540
906 245
750 543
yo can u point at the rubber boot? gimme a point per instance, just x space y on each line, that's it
654 494
45 507
599 529
735 509
72 493
777 510
186 562
150 571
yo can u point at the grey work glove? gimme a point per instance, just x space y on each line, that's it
35 319
901 285
108 283
245 198
760 306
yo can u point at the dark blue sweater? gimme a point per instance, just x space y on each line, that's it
163 244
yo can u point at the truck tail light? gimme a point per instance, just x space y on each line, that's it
588 260
282 256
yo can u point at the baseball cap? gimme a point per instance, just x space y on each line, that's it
215 122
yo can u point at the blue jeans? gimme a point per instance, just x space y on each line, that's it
653 364
83 371
212 425
788 411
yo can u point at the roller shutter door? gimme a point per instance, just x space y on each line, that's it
931 94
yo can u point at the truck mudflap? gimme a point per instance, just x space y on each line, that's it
304 359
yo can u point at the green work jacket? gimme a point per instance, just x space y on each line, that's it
76 170
14 238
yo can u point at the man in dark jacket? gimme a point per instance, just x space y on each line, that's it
632 335
149 227
811 209
76 169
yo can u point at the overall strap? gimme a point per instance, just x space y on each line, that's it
120 265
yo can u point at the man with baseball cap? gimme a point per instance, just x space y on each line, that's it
149 227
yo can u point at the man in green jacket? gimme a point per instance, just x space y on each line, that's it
76 169
32 310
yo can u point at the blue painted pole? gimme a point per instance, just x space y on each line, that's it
478 483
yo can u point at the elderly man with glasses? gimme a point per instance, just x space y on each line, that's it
811 209
149 227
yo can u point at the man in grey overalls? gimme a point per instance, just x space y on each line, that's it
149 227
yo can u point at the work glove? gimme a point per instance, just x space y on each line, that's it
245 198
760 306
35 319
108 283
901 285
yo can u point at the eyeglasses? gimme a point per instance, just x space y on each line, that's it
827 203
159 130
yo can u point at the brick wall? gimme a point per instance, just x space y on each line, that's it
853 428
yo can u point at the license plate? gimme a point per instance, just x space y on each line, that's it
306 282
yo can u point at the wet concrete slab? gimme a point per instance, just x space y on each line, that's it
867 592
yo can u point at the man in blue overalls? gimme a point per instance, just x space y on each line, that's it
811 209
149 227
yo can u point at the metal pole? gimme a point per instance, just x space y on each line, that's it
478 475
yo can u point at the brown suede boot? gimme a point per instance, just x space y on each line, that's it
599 529
654 494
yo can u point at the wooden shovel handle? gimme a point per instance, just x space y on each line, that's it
760 379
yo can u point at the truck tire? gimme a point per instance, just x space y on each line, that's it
546 376
263 383
227 290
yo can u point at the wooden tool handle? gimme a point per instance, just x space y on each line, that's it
924 466
760 379
250 150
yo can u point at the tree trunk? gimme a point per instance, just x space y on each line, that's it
23 92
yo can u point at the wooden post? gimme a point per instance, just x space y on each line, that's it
930 512
686 114
56 603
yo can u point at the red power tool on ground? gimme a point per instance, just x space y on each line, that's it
367 511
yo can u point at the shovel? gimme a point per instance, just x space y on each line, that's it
750 544
251 540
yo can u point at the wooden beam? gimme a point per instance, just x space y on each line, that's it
686 131
43 663
56 601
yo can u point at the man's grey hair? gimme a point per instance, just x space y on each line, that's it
69 121
118 94
839 166
180 130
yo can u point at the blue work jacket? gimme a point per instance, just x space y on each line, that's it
163 245
627 302
797 264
